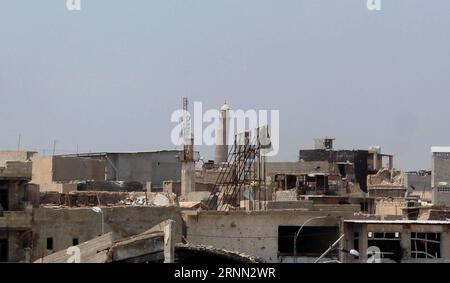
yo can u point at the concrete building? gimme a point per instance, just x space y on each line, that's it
419 183
145 167
440 165
441 195
269 234
360 162
56 229
61 174
15 209
397 240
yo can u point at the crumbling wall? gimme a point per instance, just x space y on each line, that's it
288 195
63 225
89 198
386 178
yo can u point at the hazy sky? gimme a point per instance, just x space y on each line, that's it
108 77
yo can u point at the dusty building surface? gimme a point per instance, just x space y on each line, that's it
20 156
354 165
56 229
420 183
146 247
441 195
60 174
440 166
145 167
15 209
268 234
386 183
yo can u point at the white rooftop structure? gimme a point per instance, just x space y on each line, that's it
440 149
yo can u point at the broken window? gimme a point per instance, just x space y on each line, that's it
425 245
388 243
312 240
49 243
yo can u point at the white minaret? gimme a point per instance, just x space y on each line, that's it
221 152
187 157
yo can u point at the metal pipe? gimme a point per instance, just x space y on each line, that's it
330 248
300 229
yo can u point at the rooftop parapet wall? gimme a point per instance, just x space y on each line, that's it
51 169
16 170
10 155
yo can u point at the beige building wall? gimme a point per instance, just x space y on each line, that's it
7 155
42 170
390 207
66 169
55 173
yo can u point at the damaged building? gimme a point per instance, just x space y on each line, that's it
15 208
150 168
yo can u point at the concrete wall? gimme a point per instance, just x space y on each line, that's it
441 196
273 168
16 169
56 169
63 225
63 188
420 182
15 156
143 167
15 190
253 233
440 171
16 253
390 207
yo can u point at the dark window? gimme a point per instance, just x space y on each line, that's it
3 250
387 243
4 199
49 243
312 241
75 242
364 207
342 171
